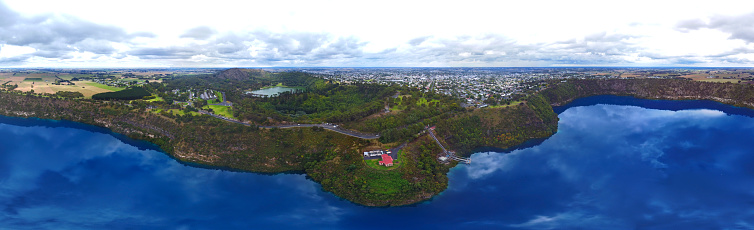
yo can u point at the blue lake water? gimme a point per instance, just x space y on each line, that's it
612 165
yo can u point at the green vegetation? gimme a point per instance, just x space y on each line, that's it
156 99
420 174
36 79
389 183
224 111
127 94
513 103
423 102
279 84
101 86
69 94
219 96
174 112
316 101
415 110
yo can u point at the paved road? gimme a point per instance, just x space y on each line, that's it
325 126
224 118
334 128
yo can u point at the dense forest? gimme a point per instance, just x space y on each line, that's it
132 93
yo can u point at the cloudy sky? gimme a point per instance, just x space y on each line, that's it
225 33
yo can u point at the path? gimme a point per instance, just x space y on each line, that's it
325 126
328 127
447 153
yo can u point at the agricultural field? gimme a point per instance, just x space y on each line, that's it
98 85
43 84
721 80
720 77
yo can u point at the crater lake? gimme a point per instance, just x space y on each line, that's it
615 163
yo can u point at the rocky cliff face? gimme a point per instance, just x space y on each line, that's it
735 94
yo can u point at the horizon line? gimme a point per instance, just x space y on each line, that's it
388 67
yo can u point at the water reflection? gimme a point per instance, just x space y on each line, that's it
628 167
609 166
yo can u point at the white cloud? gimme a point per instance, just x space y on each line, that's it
535 30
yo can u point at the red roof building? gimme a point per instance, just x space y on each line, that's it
387 160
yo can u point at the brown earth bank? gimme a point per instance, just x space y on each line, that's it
334 160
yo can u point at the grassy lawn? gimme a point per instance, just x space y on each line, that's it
157 98
389 182
219 96
224 111
180 112
214 101
133 79
423 101
101 86
375 164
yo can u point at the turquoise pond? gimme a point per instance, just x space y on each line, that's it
270 92
615 163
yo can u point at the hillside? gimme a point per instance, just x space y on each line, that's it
240 74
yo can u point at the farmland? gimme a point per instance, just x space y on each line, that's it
44 84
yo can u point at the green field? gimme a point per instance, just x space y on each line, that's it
224 111
214 101
157 98
101 86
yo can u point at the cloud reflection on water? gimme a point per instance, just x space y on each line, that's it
608 167
633 167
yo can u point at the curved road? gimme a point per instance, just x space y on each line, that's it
325 126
